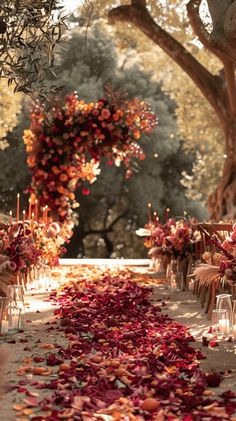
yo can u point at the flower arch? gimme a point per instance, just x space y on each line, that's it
69 149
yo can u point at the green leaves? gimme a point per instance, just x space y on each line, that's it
30 32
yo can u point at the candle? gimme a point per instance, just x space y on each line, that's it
167 213
24 216
149 213
36 209
234 331
224 325
173 285
17 207
4 326
43 211
155 218
10 214
191 285
30 209
46 214
15 322
32 220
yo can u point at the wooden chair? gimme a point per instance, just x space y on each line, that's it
208 290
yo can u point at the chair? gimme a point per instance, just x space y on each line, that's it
208 284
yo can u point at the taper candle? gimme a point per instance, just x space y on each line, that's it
24 216
10 214
149 213
46 214
36 209
30 209
18 207
167 213
32 220
43 212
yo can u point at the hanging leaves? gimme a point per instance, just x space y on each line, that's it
30 32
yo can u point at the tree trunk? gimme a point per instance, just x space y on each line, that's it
222 203
219 91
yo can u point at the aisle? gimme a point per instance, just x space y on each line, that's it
126 351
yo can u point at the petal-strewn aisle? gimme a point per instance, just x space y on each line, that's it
113 355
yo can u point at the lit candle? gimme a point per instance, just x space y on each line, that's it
32 220
155 218
149 212
14 322
191 285
36 209
24 216
30 209
173 285
46 214
224 325
234 331
43 211
167 213
4 326
10 214
17 207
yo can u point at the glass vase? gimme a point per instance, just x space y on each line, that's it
14 318
15 295
4 315
234 320
219 321
223 302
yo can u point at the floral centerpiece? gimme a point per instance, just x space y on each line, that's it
27 246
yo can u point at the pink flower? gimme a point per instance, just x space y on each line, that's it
12 266
233 235
56 227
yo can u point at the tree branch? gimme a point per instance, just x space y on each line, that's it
211 86
200 30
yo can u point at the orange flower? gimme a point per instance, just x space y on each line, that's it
63 177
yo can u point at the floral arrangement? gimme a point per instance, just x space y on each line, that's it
26 246
68 151
157 239
182 239
173 238
226 256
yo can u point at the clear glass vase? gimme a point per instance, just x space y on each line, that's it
4 315
15 295
170 272
219 321
234 320
14 318
223 302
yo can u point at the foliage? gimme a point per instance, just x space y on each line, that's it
29 34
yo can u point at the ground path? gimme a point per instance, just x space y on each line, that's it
181 306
